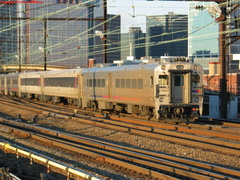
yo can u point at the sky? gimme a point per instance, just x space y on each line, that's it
134 12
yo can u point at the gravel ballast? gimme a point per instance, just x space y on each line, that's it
122 138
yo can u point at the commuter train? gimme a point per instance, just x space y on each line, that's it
165 91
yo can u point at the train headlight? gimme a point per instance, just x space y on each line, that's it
180 67
163 67
197 99
195 67
161 99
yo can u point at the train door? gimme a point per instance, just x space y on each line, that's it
80 89
181 83
41 85
109 84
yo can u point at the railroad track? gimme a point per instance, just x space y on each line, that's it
71 111
167 132
152 165
198 121
64 169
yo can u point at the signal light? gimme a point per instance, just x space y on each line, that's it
199 8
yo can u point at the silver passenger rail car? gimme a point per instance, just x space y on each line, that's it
2 84
165 91
179 90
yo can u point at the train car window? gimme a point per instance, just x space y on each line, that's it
140 83
196 79
89 83
98 83
122 83
128 83
117 83
163 80
134 83
15 81
94 83
62 82
151 81
102 82
8 81
179 81
29 81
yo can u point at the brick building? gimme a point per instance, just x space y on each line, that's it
212 80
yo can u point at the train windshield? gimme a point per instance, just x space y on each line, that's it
195 79
163 80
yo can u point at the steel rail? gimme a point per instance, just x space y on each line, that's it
190 140
191 128
20 151
207 131
91 153
140 158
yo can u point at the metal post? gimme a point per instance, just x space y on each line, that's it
91 26
222 54
105 30
19 47
45 44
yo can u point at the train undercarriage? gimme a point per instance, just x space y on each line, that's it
165 113
178 114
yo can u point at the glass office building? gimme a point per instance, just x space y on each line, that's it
203 32
8 34
56 30
113 40
166 35
133 43
235 24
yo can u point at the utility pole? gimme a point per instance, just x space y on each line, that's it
105 31
45 44
90 8
222 53
223 46
223 65
19 47
20 18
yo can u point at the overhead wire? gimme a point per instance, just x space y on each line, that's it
62 10
112 50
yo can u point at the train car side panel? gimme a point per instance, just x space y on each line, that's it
62 86
2 84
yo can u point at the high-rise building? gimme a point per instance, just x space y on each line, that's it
235 27
203 32
166 35
8 34
164 0
113 40
55 31
133 43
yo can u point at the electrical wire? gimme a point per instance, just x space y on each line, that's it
76 37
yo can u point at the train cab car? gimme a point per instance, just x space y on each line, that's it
167 91
12 84
63 86
179 90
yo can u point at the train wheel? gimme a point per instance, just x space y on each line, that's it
148 117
